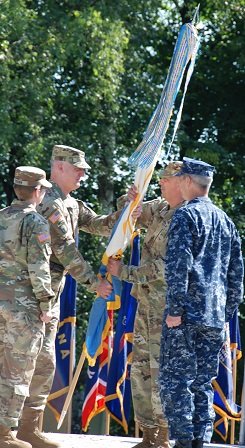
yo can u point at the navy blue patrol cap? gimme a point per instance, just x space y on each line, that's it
197 167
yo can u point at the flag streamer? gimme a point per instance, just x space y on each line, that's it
184 52
146 155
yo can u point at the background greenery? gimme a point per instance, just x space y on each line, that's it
89 74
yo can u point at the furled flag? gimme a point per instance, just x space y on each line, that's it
64 345
146 155
144 159
118 392
224 404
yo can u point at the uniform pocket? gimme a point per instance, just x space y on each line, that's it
30 340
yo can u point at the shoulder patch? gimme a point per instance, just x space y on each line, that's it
55 217
43 237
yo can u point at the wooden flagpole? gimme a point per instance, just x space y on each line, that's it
137 430
71 368
234 377
242 424
71 389
110 348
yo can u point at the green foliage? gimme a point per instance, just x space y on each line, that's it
89 74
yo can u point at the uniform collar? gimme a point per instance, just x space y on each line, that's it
22 204
166 208
200 199
59 191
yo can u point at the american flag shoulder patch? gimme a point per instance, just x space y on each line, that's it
43 237
55 217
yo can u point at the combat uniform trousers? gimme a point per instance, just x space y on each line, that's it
21 339
31 419
145 367
45 366
188 363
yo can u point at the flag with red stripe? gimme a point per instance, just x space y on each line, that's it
95 391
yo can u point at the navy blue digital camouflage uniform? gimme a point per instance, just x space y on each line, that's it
204 272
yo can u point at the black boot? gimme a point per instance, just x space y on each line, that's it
183 443
197 443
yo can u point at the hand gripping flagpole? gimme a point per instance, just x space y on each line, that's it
146 155
144 160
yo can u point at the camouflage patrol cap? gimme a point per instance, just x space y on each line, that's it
171 169
196 167
30 176
71 155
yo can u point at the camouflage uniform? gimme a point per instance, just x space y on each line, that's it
66 215
149 288
204 275
25 291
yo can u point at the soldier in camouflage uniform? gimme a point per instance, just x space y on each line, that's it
149 288
204 273
66 215
25 296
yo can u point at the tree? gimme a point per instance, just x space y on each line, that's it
90 75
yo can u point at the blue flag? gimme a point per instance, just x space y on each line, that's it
99 322
224 405
96 382
118 392
64 346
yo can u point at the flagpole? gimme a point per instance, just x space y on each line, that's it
234 377
71 369
110 348
107 422
137 430
71 389
242 424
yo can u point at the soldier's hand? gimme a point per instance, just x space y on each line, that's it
137 212
104 288
173 321
132 193
46 316
114 267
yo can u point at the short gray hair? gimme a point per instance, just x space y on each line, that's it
202 181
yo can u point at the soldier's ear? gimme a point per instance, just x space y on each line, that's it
60 165
189 180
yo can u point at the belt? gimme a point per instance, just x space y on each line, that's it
56 267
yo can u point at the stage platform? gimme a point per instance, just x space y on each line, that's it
91 441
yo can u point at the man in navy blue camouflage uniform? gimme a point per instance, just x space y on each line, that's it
204 273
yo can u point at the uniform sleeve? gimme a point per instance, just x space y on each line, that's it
65 250
90 222
38 255
148 210
179 260
147 273
122 201
234 277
